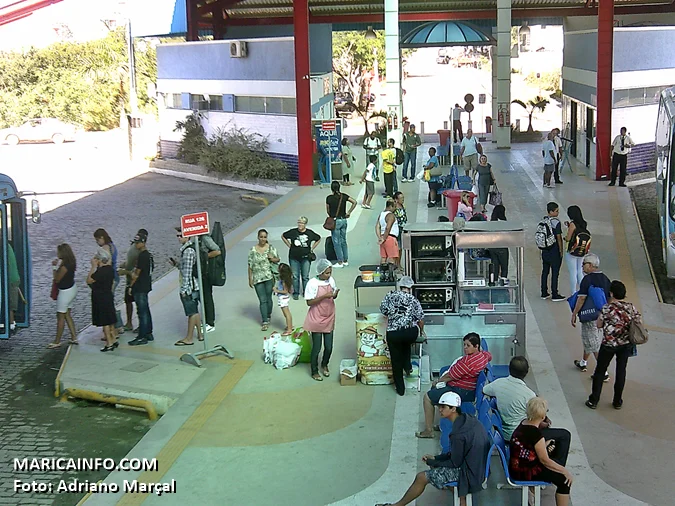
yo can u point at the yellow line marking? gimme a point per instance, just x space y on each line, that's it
181 439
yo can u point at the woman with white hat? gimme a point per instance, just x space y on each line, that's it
405 321
320 295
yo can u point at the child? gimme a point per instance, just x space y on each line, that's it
464 207
370 182
283 291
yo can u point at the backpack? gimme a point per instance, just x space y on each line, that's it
581 244
400 157
216 266
544 237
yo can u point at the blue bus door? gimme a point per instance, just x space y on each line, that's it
17 236
4 291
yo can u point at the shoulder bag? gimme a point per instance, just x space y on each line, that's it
495 197
479 146
637 333
329 224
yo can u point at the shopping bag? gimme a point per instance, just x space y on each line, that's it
269 347
286 354
303 339
495 197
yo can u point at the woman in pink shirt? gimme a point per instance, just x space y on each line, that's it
460 378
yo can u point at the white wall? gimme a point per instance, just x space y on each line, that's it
280 130
234 87
640 121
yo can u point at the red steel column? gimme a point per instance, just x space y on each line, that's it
302 91
192 17
604 88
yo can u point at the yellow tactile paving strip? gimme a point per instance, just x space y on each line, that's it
181 439
622 255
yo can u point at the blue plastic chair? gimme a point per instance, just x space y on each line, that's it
496 420
485 417
454 484
483 344
523 485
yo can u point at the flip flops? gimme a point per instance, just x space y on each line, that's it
425 434
53 346
182 343
316 377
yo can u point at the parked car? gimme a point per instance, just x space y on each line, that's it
344 103
443 57
39 130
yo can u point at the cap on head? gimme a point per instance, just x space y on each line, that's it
322 265
450 399
406 282
140 238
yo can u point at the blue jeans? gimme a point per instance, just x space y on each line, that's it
144 316
264 292
339 236
409 158
300 268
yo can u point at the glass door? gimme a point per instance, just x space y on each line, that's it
4 292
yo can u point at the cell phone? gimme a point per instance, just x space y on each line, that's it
173 261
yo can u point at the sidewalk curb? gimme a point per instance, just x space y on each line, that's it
275 190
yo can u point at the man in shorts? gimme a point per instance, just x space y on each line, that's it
464 464
387 232
127 270
591 335
469 153
189 289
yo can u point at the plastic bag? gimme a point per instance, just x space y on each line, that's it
269 347
348 368
303 339
286 354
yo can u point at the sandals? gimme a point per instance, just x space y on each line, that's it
316 377
182 343
288 333
425 434
264 327
73 341
325 372
198 339
53 346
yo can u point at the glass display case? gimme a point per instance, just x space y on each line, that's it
456 282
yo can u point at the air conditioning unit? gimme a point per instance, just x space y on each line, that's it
238 49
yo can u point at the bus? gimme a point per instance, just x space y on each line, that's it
665 177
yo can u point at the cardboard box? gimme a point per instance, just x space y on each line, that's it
347 372
346 381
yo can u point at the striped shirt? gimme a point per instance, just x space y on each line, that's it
464 372
512 395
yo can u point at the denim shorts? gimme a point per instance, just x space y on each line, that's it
190 303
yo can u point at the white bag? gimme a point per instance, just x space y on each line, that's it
286 354
348 367
420 175
269 347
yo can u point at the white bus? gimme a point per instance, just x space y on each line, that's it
665 177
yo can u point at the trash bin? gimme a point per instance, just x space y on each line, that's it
488 124
443 136
452 201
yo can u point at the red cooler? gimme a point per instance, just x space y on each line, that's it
443 136
452 201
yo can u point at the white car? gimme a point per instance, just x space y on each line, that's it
39 130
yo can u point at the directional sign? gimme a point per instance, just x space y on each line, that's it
328 125
194 224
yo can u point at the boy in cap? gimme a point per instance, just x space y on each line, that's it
141 286
127 270
465 464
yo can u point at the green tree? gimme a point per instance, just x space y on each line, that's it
537 103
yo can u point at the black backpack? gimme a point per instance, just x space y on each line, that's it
216 265
400 157
581 244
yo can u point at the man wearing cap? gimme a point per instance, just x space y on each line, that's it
411 141
405 321
126 270
141 286
464 464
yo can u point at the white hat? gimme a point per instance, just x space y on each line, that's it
450 399
322 265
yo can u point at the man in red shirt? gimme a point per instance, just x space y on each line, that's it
460 378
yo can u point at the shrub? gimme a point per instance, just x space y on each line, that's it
194 139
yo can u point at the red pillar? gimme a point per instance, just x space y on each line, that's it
302 91
192 21
604 88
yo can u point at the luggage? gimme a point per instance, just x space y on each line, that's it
330 250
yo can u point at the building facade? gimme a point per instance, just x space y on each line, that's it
242 83
644 65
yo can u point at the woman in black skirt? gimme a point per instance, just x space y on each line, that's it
101 278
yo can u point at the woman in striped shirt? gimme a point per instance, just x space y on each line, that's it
460 378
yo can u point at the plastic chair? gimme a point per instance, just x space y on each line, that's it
484 344
523 485
485 416
480 383
496 420
454 484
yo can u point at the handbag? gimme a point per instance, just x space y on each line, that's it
55 291
479 146
637 333
495 197
329 224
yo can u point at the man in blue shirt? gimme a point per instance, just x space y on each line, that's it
551 258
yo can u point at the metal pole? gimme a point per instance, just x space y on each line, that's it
201 292
133 97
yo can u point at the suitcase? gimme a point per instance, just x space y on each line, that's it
330 250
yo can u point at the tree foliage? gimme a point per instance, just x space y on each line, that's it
537 103
83 83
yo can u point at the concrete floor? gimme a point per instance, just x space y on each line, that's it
244 433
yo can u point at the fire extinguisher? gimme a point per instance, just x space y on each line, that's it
388 121
395 121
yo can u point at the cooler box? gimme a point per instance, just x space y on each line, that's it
452 201
443 136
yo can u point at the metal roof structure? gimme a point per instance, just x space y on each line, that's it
446 33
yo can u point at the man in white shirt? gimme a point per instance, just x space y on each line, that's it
558 154
512 395
548 152
620 149
469 153
372 145
457 123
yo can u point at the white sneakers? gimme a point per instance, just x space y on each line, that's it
338 266
209 328
365 206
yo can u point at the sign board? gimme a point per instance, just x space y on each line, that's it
329 136
195 224
481 98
